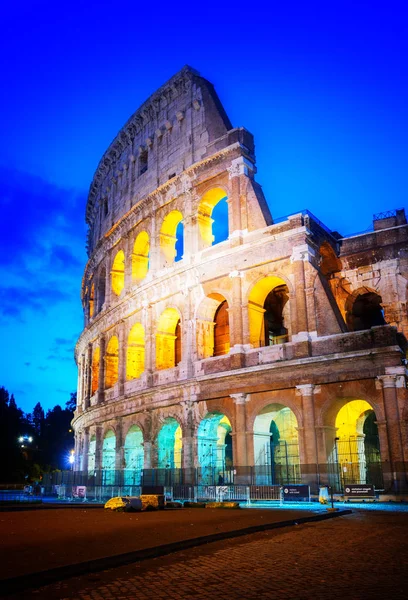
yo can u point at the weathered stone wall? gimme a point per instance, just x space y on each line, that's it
314 369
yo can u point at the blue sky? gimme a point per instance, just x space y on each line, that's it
322 88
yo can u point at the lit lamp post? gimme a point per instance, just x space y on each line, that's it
72 459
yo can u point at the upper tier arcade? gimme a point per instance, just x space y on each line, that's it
182 123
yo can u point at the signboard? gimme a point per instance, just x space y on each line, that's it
363 490
292 493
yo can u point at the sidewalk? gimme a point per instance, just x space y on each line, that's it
39 541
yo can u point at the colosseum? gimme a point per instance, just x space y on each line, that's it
221 346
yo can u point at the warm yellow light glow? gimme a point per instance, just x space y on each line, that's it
95 369
178 444
256 308
166 339
350 449
168 234
118 273
112 362
350 419
140 256
135 359
92 301
205 209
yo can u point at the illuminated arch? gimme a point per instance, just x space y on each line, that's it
92 301
135 356
168 236
169 445
118 273
112 362
133 455
140 256
96 356
264 331
356 449
214 446
109 457
205 211
276 445
213 337
168 339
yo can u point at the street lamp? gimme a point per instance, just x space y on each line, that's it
71 459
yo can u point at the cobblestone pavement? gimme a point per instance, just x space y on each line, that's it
359 556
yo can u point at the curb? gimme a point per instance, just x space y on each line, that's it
43 578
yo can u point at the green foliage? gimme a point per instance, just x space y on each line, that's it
52 435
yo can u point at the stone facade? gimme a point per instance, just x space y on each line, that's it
239 358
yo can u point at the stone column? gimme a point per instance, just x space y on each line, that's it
237 210
299 255
236 323
108 282
388 384
87 378
128 263
122 356
240 435
147 454
310 466
101 379
77 451
150 347
98 447
85 451
154 251
119 449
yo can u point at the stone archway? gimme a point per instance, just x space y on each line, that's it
214 449
133 456
276 446
169 445
355 455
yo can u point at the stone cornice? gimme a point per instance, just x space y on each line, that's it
147 205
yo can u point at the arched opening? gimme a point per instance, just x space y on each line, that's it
92 301
214 445
140 256
213 217
275 331
101 290
108 458
96 356
171 237
213 327
365 312
329 262
134 456
276 446
268 308
355 454
91 455
112 362
221 330
168 339
135 356
169 445
118 273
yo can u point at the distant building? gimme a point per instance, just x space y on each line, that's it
276 355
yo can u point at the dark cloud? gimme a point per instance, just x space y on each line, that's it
15 301
39 214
